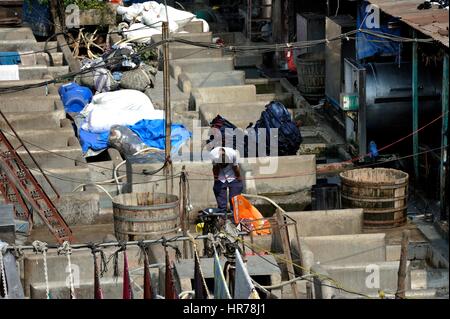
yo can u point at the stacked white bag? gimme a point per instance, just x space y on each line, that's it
152 14
124 107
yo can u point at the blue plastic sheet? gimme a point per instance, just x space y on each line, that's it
93 141
9 58
369 45
151 133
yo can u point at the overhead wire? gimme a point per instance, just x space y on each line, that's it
269 47
261 177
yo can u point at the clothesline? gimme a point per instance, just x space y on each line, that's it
161 240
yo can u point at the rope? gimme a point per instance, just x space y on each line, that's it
194 245
41 247
115 258
67 250
2 270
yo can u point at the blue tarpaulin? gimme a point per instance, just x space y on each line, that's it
151 133
369 45
9 58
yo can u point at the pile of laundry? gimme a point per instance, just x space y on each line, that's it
143 20
124 119
275 133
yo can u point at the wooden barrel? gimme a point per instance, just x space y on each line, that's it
311 74
145 215
381 192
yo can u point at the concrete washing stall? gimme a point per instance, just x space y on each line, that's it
333 245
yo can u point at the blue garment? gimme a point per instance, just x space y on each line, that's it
9 58
369 45
151 132
93 141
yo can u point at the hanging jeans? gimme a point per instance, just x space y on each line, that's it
220 191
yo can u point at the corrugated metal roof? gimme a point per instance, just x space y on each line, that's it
432 22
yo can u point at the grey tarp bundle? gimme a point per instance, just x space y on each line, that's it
15 290
125 140
139 79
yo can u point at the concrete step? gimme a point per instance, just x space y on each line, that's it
65 180
200 65
194 27
43 58
188 81
227 94
31 72
47 138
21 33
56 71
45 90
52 46
248 59
41 71
204 37
18 45
183 51
34 120
57 157
240 114
28 104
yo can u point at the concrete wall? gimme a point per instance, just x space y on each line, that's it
257 182
363 277
277 175
238 113
228 94
188 81
342 249
32 274
200 65
327 222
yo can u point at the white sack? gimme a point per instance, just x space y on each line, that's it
140 33
124 107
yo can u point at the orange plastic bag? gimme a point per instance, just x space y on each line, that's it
243 210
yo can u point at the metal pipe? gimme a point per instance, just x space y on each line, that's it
362 114
444 143
29 153
415 105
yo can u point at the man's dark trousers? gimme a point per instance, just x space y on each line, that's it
220 191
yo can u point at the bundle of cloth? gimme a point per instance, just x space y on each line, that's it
145 20
114 111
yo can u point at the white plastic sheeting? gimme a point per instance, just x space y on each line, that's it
124 107
152 14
